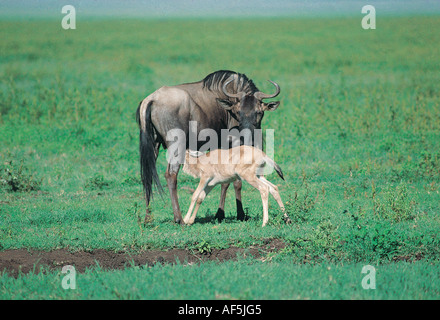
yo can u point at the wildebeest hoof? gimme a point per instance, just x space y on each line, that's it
220 215
241 217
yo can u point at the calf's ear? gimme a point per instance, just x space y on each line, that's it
271 106
225 104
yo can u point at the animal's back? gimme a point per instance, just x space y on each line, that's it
251 154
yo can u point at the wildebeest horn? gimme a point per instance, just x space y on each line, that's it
230 95
260 95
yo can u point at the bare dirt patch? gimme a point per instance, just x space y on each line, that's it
25 260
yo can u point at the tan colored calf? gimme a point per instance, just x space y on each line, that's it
225 166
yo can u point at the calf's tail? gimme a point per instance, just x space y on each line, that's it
275 166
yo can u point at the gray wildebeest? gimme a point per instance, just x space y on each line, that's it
222 100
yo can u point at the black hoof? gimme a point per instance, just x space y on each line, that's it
241 215
220 215
240 212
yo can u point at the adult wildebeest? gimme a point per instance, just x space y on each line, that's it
222 100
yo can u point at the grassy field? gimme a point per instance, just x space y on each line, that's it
357 136
233 280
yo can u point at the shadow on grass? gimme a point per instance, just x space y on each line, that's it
211 218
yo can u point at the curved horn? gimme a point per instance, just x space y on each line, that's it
260 95
230 95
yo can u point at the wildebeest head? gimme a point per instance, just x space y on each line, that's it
248 108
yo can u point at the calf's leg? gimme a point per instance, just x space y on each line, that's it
264 191
195 196
199 201
273 189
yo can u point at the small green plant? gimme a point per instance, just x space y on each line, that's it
395 204
384 240
302 203
324 235
429 164
97 182
16 178
370 239
131 181
204 247
135 212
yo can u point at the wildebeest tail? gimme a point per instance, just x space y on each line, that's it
147 150
275 166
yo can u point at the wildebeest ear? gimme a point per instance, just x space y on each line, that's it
271 106
225 104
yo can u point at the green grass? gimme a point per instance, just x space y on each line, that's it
245 279
357 137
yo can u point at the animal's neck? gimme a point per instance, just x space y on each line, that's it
189 167
231 121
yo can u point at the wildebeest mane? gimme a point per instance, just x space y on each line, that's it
215 80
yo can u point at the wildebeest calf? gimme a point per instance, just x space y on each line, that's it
227 165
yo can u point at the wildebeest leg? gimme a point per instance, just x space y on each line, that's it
147 218
237 188
171 177
220 215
